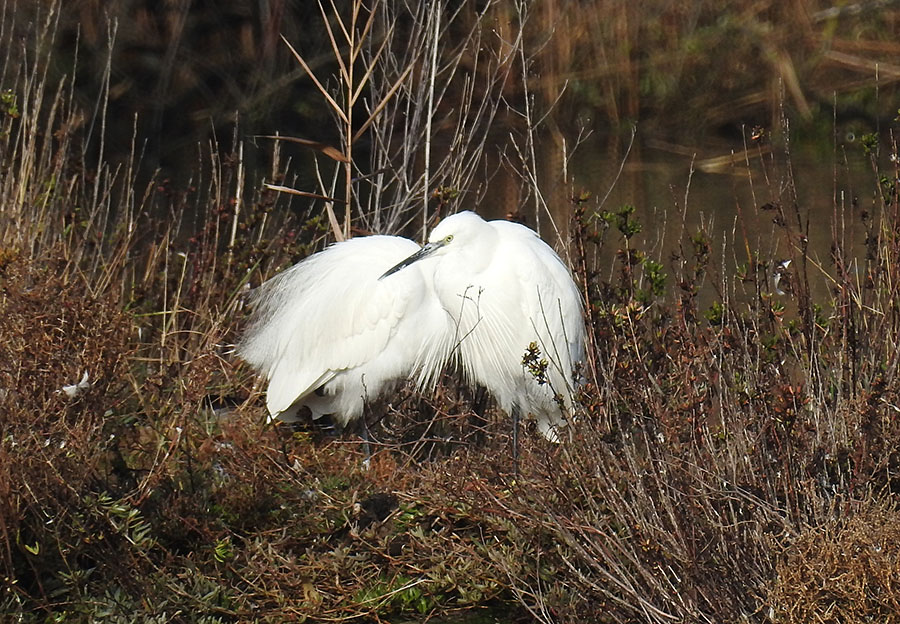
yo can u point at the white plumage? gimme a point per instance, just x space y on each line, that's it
505 288
328 334
346 324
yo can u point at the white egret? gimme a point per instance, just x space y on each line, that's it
505 290
329 335
346 324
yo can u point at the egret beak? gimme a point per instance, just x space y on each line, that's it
424 252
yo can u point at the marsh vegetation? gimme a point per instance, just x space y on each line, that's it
735 453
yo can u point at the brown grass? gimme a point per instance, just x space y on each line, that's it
731 461
842 571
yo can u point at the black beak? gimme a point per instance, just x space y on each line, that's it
424 252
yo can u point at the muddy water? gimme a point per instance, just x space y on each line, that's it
752 202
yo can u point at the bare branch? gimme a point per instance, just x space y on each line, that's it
334 105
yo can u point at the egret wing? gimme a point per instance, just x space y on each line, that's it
327 314
550 300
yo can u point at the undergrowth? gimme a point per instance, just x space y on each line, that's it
730 461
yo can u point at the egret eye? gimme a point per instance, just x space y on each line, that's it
448 238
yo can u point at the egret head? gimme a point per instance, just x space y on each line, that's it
448 235
430 249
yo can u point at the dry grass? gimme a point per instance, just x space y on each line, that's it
730 462
842 571
655 63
